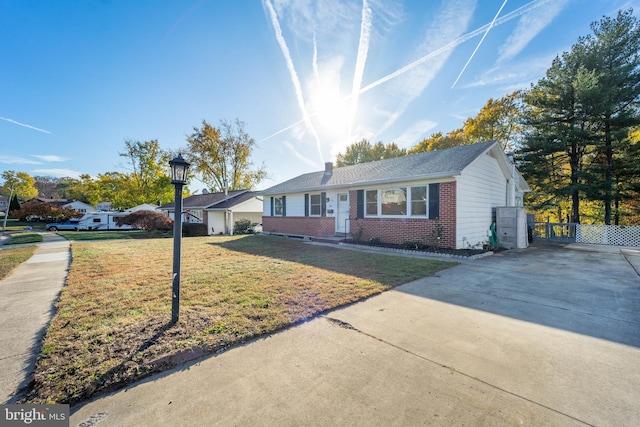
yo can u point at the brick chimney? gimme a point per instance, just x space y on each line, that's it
328 168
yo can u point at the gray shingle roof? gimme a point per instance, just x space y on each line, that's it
210 200
433 164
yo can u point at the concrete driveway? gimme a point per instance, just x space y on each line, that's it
549 335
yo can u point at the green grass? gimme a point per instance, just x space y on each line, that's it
21 238
103 235
12 257
112 322
15 225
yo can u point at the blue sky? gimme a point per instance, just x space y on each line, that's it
308 78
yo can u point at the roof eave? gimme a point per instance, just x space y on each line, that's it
440 175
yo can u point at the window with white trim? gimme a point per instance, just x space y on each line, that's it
400 201
419 201
315 204
372 202
393 201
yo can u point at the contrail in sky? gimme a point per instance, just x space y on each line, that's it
25 125
361 59
479 43
294 76
509 16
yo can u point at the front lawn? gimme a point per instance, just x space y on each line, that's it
103 235
18 238
12 257
112 324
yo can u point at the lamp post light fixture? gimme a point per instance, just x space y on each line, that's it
179 169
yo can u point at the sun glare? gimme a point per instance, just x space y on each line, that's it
330 109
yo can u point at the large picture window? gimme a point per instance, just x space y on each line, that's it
393 201
418 201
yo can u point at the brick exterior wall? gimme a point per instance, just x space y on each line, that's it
388 230
299 225
399 230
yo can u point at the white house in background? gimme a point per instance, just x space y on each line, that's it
104 206
143 207
451 194
219 211
71 204
4 203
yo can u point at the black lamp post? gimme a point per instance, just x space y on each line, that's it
179 169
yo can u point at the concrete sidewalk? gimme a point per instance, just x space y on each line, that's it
26 307
549 335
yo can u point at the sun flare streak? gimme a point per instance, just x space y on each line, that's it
479 43
361 60
294 75
509 16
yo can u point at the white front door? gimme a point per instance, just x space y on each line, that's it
342 213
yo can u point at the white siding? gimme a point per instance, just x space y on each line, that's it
215 221
295 203
480 187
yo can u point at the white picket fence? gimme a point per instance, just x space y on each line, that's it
616 235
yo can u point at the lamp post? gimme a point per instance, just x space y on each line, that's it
179 169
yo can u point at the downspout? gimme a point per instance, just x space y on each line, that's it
230 221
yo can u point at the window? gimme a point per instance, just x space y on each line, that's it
372 202
277 206
194 216
315 204
393 201
418 201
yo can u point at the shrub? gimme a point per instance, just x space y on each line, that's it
412 244
357 235
375 241
194 229
242 226
37 210
146 220
435 239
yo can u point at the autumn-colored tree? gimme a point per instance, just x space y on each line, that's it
35 209
146 220
438 141
150 178
20 184
499 120
221 156
363 151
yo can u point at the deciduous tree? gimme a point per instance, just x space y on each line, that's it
363 151
221 156
22 184
438 141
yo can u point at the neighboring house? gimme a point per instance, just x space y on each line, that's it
143 207
71 204
451 194
218 211
104 206
4 203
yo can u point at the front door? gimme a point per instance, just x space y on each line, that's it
342 213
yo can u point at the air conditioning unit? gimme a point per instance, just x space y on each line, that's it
511 226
